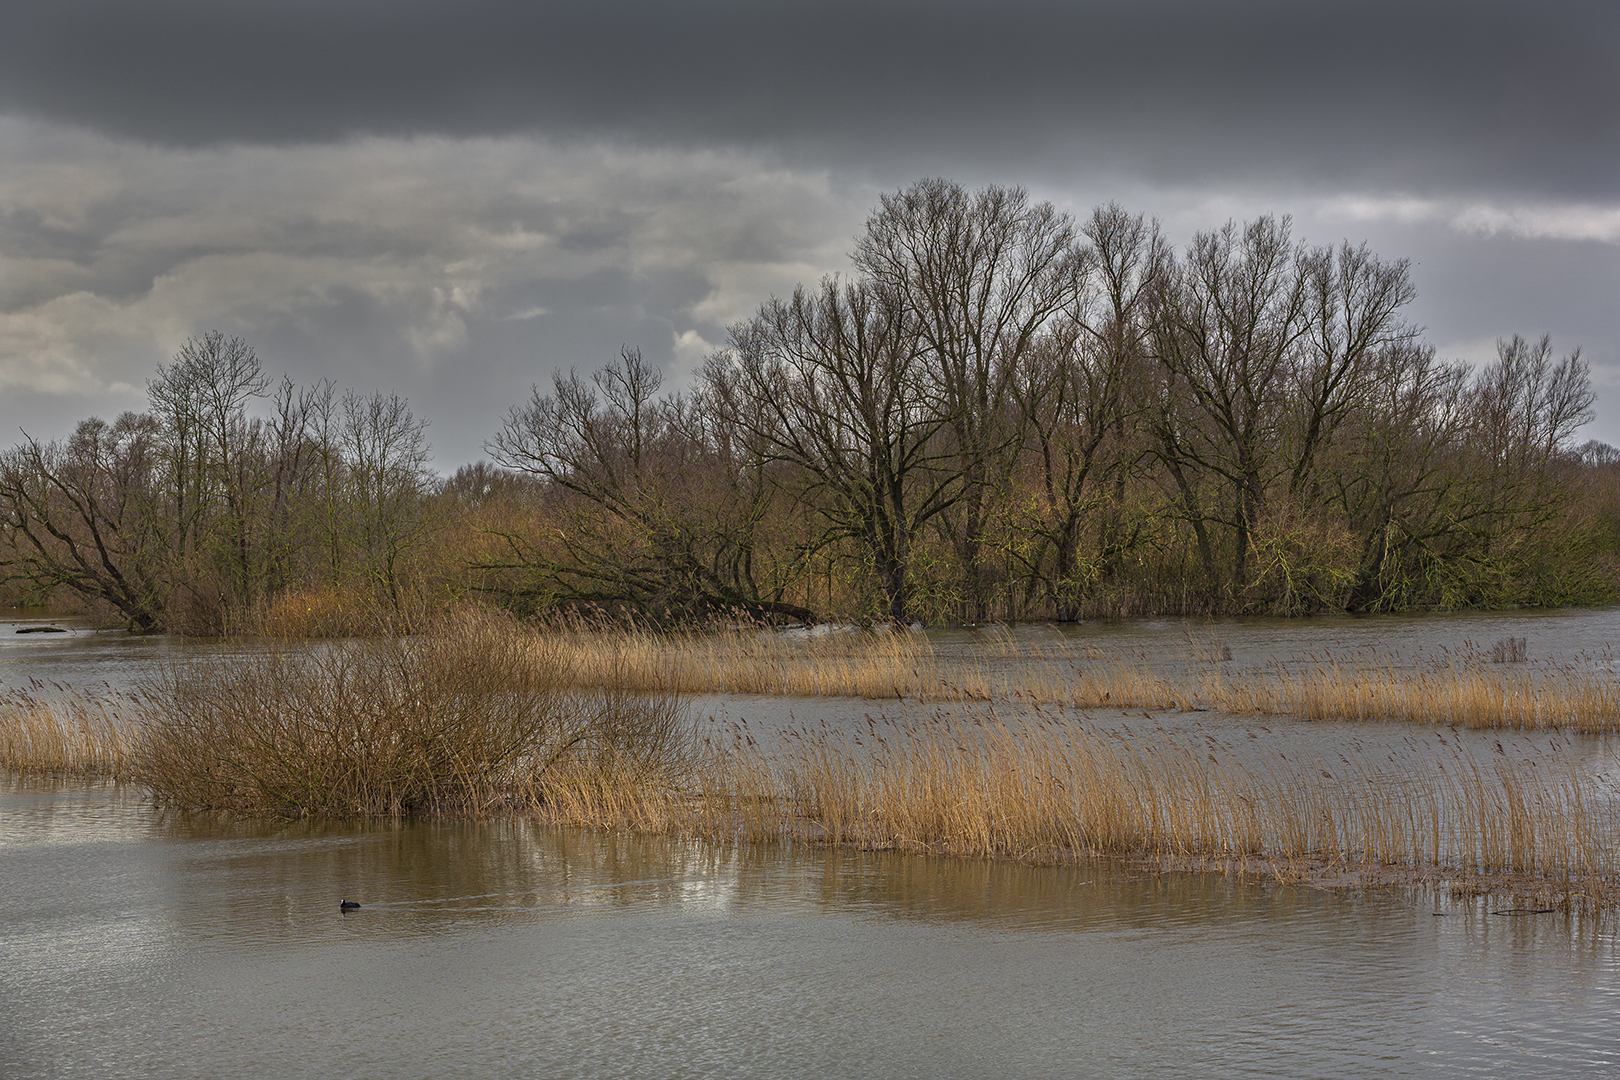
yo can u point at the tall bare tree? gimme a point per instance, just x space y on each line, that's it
978 277
830 384
214 451
651 517
387 457
1226 331
1354 311
1079 390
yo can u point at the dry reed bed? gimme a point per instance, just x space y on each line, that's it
1566 697
976 784
67 733
1446 690
482 715
872 664
1045 788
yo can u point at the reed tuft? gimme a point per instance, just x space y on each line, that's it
70 734
1510 650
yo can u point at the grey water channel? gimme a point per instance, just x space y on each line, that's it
147 944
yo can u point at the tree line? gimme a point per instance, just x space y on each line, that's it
1000 412
194 514
1006 413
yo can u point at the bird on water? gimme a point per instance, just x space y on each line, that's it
348 905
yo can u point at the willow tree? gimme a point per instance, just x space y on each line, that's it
832 384
653 511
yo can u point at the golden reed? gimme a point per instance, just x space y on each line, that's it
1041 788
1446 690
67 733
484 715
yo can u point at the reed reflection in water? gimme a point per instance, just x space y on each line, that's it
169 946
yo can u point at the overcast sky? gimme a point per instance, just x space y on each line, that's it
452 201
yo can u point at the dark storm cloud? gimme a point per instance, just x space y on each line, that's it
1487 97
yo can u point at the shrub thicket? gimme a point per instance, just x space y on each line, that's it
472 715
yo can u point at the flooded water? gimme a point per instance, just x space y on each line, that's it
1254 642
137 945
86 658
134 943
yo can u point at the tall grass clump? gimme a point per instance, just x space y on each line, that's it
1510 650
468 717
74 734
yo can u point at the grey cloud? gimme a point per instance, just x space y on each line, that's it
384 264
1494 96
467 392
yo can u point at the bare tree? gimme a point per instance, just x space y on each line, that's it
387 455
213 449
1396 475
829 384
651 519
1080 388
1523 411
977 277
1355 301
1528 405
1226 331
83 515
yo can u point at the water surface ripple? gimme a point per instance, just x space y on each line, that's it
138 944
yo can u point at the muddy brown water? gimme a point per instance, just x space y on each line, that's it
134 943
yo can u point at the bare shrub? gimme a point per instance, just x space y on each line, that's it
467 718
